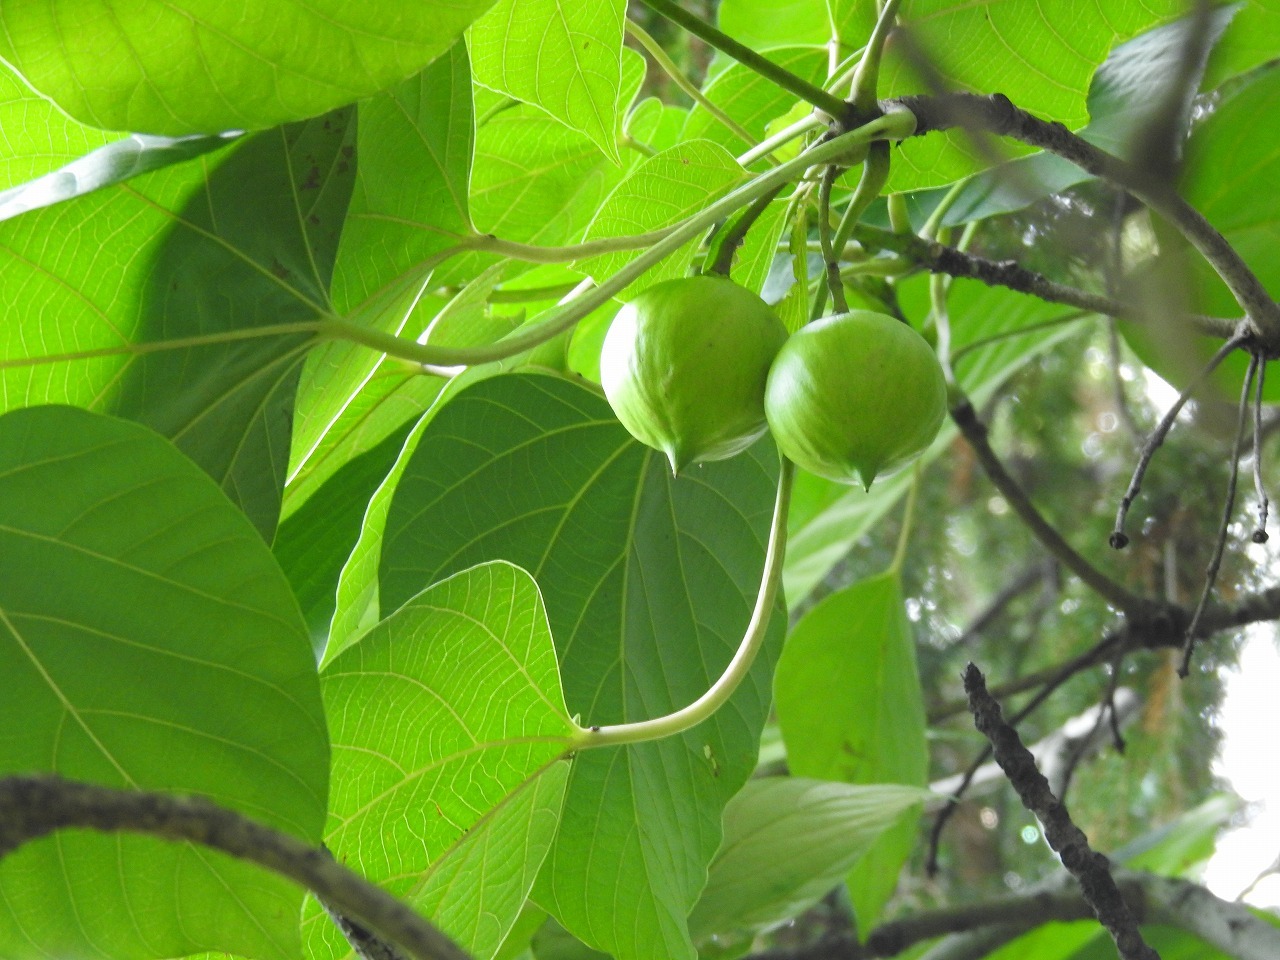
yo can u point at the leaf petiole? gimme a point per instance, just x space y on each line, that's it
752 640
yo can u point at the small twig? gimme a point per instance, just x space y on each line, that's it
1028 578
1120 398
1092 870
35 806
1114 640
1113 715
831 261
1269 871
730 239
939 258
1106 712
1119 539
1215 561
975 433
1260 534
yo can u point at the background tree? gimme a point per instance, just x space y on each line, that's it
315 527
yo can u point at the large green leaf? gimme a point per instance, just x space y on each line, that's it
442 718
147 639
764 24
750 99
1042 55
203 66
38 137
661 192
239 239
787 842
850 708
649 582
409 203
561 56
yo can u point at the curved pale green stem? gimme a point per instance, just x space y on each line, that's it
875 173
781 138
894 125
659 244
932 225
720 691
669 67
867 76
908 519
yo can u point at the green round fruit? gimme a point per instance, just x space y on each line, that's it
684 366
855 396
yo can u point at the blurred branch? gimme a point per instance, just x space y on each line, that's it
1035 574
996 114
35 806
975 433
1091 869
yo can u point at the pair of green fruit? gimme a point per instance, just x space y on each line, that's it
699 368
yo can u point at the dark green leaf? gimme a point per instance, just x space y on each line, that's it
787 842
850 708
147 639
649 582
215 247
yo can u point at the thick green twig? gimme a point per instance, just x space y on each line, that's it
831 104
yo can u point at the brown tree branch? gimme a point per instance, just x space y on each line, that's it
34 806
1091 869
940 258
996 114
